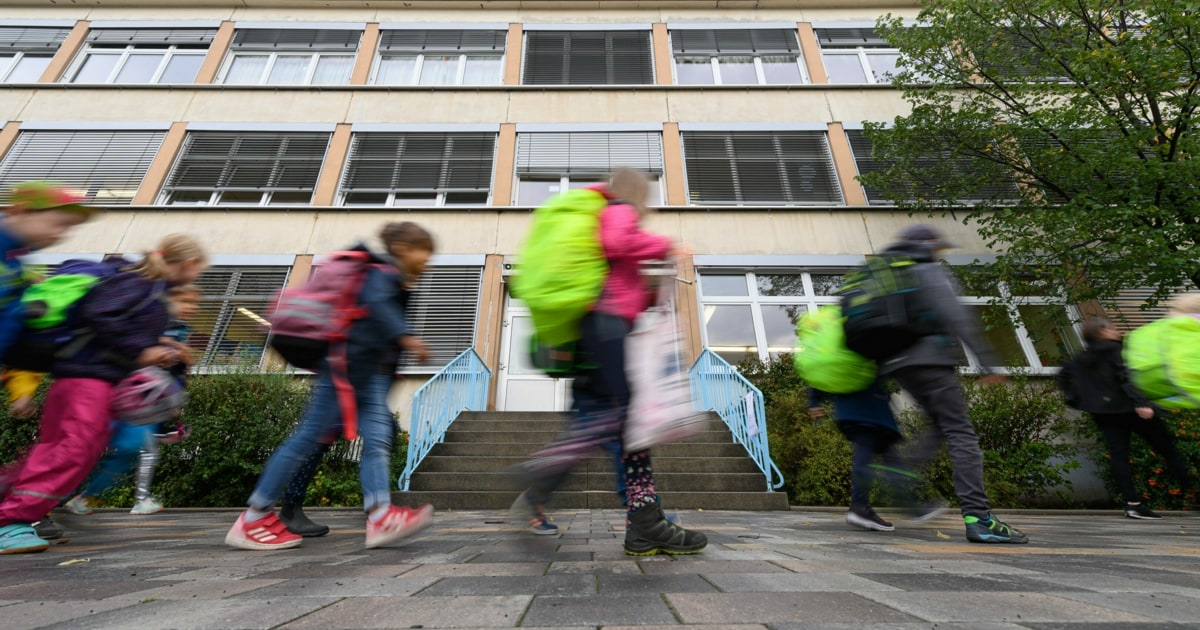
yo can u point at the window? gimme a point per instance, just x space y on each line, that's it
419 169
755 313
763 168
291 57
229 328
550 162
253 168
588 58
437 57
737 57
860 146
107 166
1128 311
857 55
158 55
443 313
25 52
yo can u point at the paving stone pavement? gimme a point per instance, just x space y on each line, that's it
779 570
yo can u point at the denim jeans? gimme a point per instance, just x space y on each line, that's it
126 442
376 426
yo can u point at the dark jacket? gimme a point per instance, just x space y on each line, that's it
939 294
128 313
178 330
12 286
379 332
393 353
1097 381
870 406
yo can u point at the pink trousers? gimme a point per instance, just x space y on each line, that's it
72 436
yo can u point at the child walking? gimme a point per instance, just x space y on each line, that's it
127 319
138 443
381 334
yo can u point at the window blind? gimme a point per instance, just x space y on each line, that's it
441 41
193 37
590 154
227 329
218 160
32 39
850 38
588 58
385 162
1127 312
782 167
860 146
107 166
296 40
735 41
443 312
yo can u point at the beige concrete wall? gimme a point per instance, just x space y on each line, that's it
401 396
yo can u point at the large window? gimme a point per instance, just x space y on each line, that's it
159 55
551 162
755 313
252 168
107 166
737 57
857 55
440 57
229 328
588 58
419 169
291 57
760 168
443 312
25 52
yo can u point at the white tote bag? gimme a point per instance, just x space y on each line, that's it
660 409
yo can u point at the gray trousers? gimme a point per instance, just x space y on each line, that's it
939 392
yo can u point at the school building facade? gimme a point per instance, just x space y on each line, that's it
279 131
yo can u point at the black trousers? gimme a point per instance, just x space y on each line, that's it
1118 428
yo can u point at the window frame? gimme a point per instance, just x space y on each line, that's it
18 57
439 195
611 67
418 68
266 196
565 181
862 51
759 72
167 53
226 311
776 136
314 58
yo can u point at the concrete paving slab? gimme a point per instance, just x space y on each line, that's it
599 610
480 569
1009 607
22 615
413 612
773 608
201 615
342 587
1157 606
634 584
557 585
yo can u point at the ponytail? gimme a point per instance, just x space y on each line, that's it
172 249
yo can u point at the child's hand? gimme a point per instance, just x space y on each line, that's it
161 356
416 347
183 351
22 407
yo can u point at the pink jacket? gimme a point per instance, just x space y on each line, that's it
625 246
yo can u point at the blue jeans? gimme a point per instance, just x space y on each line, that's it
125 443
376 426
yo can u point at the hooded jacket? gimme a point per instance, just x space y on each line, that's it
376 336
1097 381
626 245
939 293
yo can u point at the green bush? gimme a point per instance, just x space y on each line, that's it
1150 477
237 420
1021 427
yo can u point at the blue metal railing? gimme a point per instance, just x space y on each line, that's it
717 386
460 386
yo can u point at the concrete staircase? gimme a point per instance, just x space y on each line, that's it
470 469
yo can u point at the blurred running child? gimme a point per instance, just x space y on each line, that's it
124 316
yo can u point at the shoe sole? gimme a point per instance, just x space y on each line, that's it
424 521
997 540
245 543
867 523
543 532
312 533
1142 518
31 549
145 513
670 552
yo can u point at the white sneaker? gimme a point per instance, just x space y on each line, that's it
78 505
148 505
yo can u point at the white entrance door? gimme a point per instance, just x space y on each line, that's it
522 387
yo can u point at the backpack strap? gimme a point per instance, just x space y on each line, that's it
349 311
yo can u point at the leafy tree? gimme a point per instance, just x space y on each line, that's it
1064 129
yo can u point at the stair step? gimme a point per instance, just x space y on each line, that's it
501 501
600 464
525 449
543 437
553 425
588 481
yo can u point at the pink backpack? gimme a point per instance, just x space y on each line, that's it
311 323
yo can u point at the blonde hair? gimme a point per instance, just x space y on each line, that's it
185 289
1186 304
174 249
631 187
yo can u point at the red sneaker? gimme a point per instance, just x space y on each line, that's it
264 534
399 522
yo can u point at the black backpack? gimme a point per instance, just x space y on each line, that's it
884 308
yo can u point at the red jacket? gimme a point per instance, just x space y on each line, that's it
626 246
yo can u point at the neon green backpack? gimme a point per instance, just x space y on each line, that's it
561 266
1164 361
822 358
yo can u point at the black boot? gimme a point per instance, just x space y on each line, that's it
649 533
298 523
47 529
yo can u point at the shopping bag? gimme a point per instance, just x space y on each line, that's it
660 408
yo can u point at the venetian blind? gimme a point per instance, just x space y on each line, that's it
735 41
860 146
780 167
442 41
31 39
385 162
588 58
220 160
189 37
850 38
296 40
591 154
228 328
106 166
443 312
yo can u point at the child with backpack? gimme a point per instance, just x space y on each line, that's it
364 286
139 442
601 391
119 321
